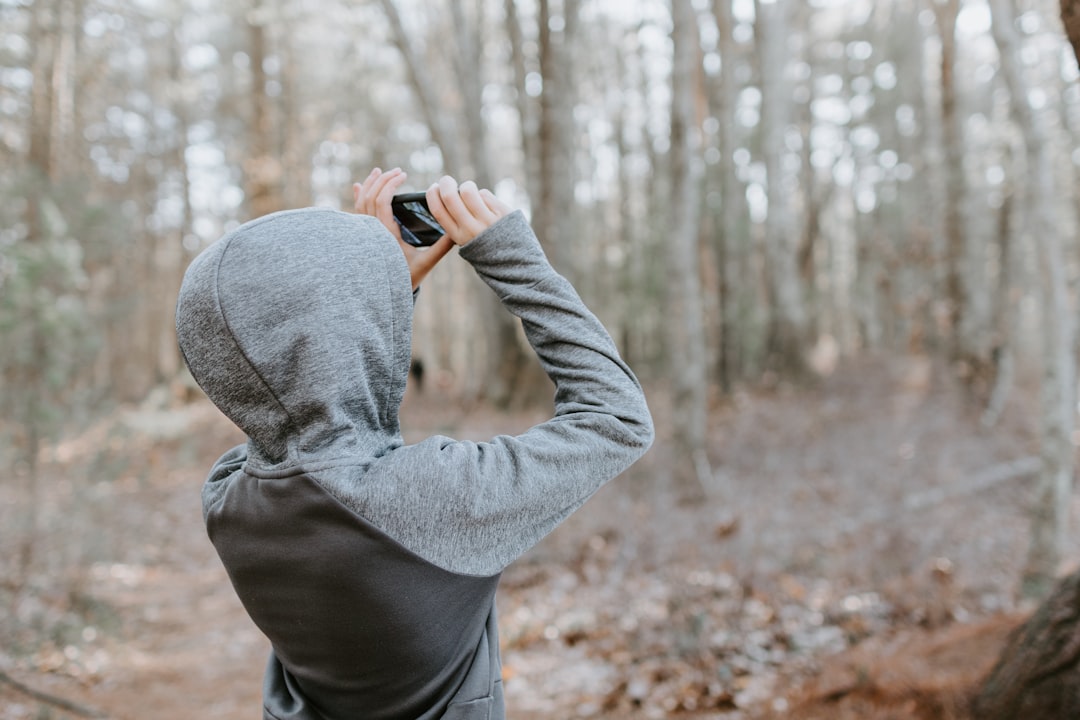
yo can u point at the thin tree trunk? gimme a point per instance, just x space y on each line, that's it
29 376
922 228
1070 16
787 333
262 169
471 81
180 255
43 38
554 215
964 348
686 324
296 180
526 112
733 239
64 148
514 377
1004 308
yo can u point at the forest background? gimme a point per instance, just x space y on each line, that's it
757 198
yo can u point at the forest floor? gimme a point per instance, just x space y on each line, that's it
857 556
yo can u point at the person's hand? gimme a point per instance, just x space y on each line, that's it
465 211
373 196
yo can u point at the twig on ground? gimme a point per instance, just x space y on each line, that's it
49 699
1023 467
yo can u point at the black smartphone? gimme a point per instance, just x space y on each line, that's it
418 226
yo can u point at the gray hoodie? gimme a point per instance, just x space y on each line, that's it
371 565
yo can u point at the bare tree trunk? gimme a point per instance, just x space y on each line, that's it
924 250
787 333
964 346
686 357
513 377
734 238
64 148
1004 311
42 41
262 169
30 376
170 355
471 81
1070 16
554 214
295 158
526 112
1050 513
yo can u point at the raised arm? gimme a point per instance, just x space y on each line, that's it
475 507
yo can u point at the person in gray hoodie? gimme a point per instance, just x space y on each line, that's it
372 565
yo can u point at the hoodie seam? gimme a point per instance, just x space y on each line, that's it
243 353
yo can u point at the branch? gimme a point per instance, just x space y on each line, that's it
1021 468
1070 17
48 699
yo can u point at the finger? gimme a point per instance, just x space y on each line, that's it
438 209
384 209
371 193
378 188
470 195
365 188
466 226
497 206
386 190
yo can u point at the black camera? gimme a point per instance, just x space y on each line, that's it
419 227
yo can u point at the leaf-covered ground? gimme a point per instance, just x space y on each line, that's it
856 557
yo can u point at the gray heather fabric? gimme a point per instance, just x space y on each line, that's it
298 326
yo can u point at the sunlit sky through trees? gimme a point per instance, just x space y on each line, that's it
342 56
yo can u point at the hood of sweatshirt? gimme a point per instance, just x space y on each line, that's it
298 326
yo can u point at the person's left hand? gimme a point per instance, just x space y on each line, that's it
373 196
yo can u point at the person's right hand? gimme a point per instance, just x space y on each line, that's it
465 211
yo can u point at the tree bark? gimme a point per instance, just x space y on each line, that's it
787 322
965 349
263 175
471 82
1070 16
733 240
1038 674
553 217
526 112
1004 311
42 42
295 152
686 322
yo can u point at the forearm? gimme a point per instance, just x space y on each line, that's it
573 347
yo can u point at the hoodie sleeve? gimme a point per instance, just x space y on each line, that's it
475 507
